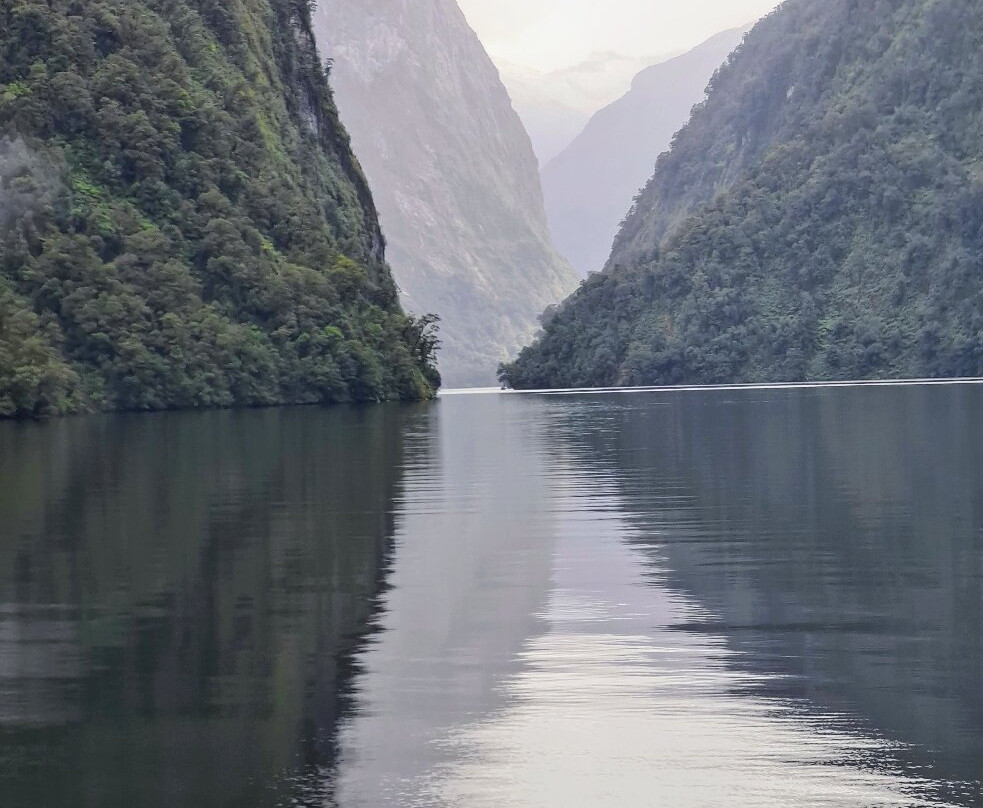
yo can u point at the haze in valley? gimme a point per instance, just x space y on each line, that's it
549 35
563 60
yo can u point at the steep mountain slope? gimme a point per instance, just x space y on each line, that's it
590 185
820 217
453 173
552 122
183 222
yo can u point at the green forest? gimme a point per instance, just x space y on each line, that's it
819 218
182 221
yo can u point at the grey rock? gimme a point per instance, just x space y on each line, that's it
453 174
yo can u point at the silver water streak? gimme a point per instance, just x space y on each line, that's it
529 655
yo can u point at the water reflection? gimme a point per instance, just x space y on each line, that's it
835 538
615 707
636 684
471 573
180 597
751 598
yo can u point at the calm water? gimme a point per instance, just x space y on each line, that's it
745 598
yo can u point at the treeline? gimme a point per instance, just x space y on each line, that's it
820 218
182 221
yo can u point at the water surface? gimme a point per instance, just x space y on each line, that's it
745 597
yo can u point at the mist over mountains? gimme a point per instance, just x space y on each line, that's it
590 185
453 173
555 105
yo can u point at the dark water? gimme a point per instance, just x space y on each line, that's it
750 598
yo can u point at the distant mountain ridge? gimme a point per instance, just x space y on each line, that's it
452 171
555 105
820 216
591 184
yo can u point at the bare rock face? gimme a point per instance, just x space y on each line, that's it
453 174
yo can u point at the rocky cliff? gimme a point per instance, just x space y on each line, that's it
452 171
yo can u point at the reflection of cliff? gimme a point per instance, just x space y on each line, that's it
472 575
212 574
836 537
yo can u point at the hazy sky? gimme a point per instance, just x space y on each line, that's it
547 34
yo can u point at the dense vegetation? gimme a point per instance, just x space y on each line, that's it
820 217
182 222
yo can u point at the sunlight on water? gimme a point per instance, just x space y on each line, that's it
607 699
614 708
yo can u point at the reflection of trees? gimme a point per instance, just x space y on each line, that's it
835 536
212 575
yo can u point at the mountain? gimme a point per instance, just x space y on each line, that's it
590 185
819 217
453 172
555 105
183 222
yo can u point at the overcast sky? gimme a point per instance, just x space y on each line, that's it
548 34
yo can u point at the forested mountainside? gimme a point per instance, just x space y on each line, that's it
182 221
591 184
820 217
453 173
552 122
